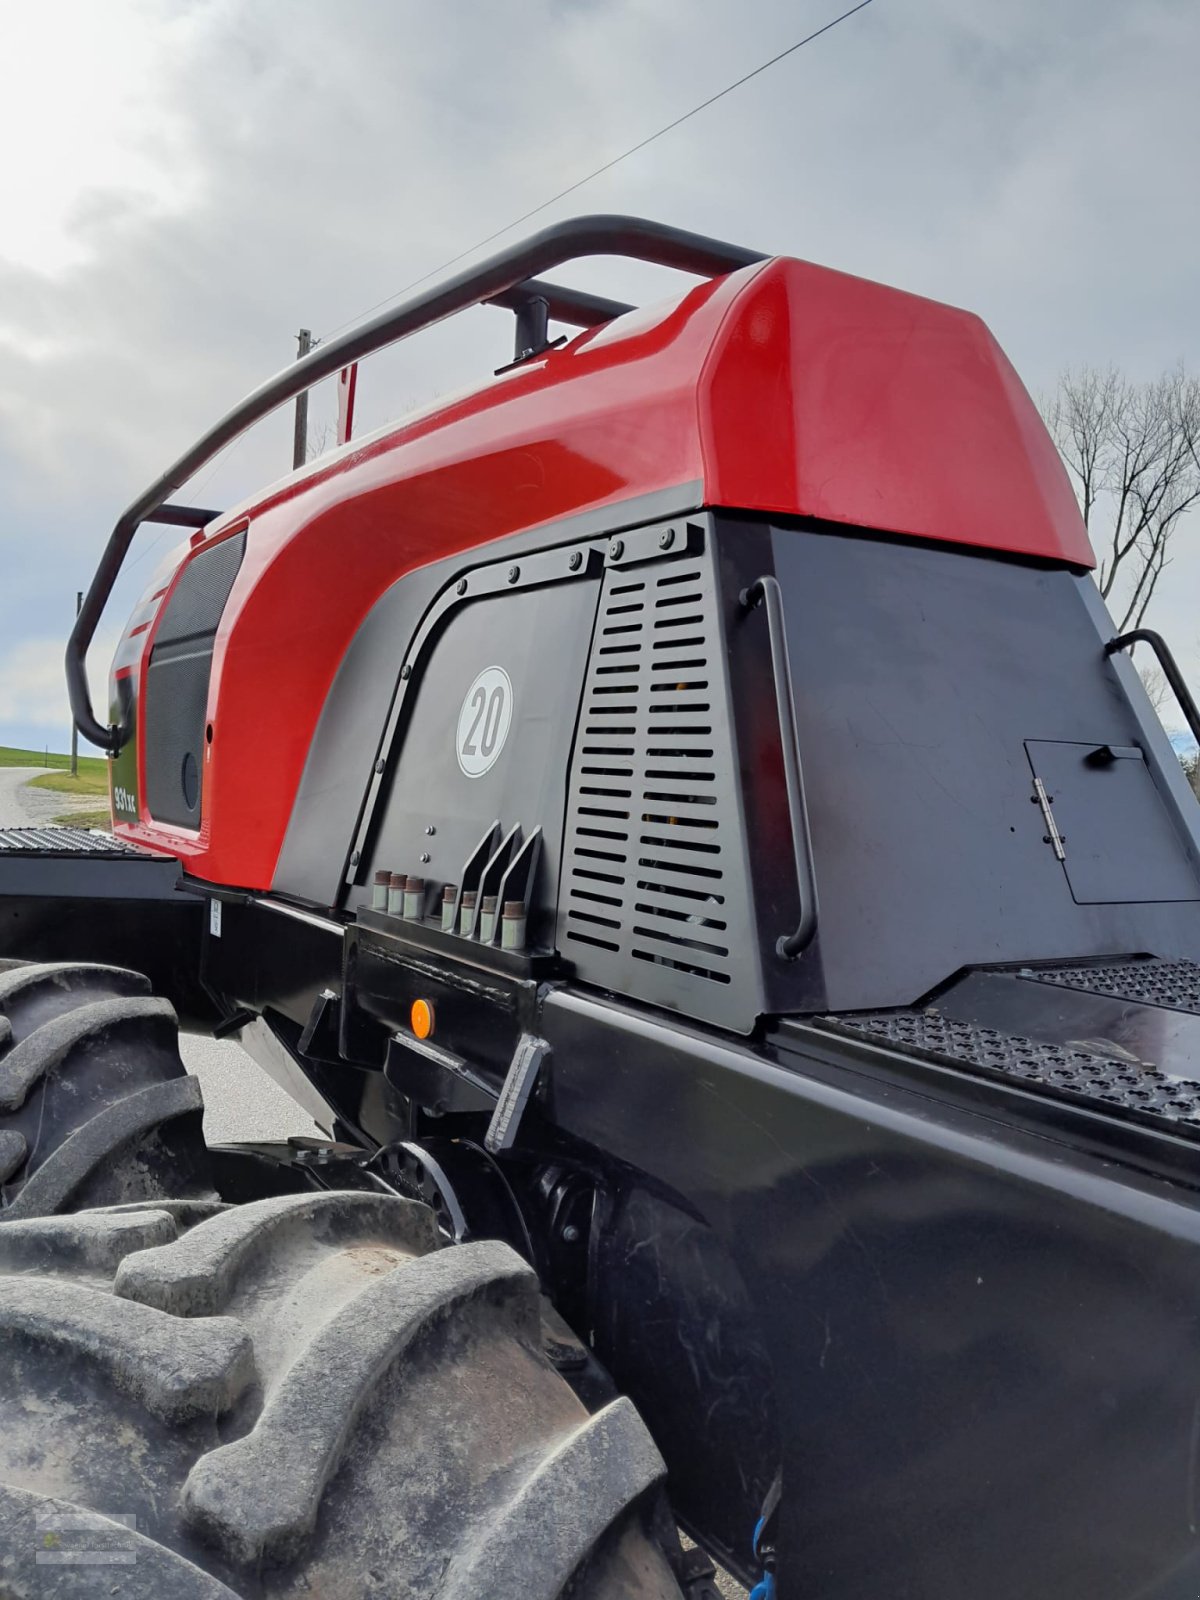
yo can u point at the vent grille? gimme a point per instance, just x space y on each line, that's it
654 899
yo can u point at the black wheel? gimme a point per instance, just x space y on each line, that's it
95 1104
306 1395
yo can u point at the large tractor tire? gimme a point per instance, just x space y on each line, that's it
306 1395
95 1105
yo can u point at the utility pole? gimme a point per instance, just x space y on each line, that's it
300 447
74 729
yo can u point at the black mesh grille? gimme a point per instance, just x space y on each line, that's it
194 610
177 683
654 899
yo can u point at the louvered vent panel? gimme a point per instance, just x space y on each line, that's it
654 902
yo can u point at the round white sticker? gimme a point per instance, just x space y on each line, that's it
483 721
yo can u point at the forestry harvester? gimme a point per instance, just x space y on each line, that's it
679 820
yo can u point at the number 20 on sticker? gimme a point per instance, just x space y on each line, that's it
484 721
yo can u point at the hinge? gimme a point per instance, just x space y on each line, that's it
1051 836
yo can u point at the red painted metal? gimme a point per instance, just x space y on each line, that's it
784 388
347 384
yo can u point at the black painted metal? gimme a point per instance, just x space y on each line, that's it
81 866
767 592
1119 839
573 306
915 708
267 960
531 335
507 631
984 1335
919 676
566 241
655 898
918 1276
481 998
174 713
423 814
67 895
436 1078
177 516
1170 669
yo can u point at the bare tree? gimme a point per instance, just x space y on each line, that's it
320 436
1156 686
1133 451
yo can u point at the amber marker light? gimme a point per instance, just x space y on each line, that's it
422 1018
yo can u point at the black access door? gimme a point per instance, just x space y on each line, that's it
1120 842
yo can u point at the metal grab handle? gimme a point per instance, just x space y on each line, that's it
493 279
1170 669
766 589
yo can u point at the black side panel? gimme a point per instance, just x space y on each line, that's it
922 677
66 895
984 1344
437 811
173 718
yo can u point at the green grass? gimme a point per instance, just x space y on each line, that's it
42 758
92 779
89 781
86 819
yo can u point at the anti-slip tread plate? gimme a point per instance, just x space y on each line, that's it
1172 984
1106 1082
61 841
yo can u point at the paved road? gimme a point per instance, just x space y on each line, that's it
240 1101
22 807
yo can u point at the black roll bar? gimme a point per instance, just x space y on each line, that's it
492 280
1170 668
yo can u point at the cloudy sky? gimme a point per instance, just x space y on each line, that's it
184 183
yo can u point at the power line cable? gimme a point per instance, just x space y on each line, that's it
607 167
579 183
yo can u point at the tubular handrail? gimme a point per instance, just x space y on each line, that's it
490 280
766 589
1170 669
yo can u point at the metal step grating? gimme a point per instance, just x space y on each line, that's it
1136 1090
1172 984
654 899
60 841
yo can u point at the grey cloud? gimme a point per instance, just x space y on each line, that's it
1032 162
